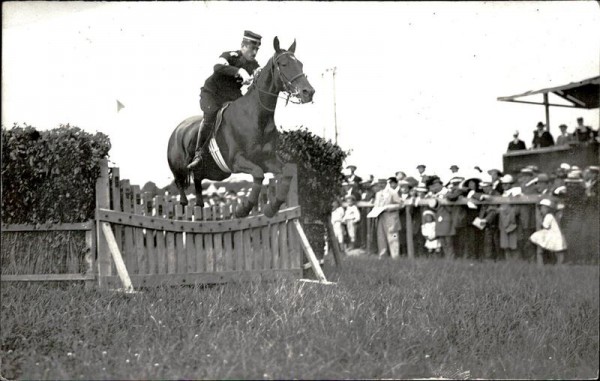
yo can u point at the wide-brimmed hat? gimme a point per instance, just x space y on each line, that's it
494 170
350 197
352 167
429 212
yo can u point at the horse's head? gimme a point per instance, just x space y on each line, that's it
290 74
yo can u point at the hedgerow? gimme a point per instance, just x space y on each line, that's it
320 164
50 176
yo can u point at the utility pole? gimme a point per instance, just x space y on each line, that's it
333 70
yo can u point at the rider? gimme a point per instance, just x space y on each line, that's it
231 71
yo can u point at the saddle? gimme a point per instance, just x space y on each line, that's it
218 121
213 148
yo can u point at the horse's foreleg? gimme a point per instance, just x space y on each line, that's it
198 189
242 164
284 179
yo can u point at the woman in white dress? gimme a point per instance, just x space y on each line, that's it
550 238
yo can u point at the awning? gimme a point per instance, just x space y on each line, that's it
581 94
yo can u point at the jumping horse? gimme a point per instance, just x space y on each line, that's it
246 138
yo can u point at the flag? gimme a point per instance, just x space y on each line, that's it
119 106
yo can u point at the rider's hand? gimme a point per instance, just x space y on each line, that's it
243 74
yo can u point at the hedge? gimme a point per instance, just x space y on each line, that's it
50 176
320 164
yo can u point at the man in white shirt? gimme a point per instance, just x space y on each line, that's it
388 222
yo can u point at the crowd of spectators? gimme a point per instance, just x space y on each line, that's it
543 138
474 229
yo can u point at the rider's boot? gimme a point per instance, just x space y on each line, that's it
204 134
197 158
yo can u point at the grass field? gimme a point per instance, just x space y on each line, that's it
383 319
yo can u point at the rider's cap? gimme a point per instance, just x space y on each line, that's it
252 38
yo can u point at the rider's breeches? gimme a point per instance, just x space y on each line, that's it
210 105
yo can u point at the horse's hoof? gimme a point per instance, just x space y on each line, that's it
241 211
269 211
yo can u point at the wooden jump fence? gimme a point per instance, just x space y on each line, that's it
140 240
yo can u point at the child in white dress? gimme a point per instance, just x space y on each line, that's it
432 244
337 220
550 238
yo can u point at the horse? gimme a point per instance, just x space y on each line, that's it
247 137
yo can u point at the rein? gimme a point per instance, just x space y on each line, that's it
287 83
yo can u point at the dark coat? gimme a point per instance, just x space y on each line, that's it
545 140
223 82
520 145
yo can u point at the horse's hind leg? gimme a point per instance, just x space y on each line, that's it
181 182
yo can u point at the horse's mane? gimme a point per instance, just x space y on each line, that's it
255 80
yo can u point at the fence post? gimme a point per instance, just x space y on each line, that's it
90 243
539 252
291 169
102 202
410 246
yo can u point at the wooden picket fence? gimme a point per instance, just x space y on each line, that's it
142 240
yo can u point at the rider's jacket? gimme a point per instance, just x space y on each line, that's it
223 82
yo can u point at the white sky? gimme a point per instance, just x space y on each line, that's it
416 82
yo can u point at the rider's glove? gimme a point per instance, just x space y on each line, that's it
243 74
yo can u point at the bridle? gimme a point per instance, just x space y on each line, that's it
288 86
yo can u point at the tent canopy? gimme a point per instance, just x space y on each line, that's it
582 94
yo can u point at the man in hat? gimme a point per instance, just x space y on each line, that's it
496 183
388 222
541 137
564 138
353 183
516 144
421 174
232 70
524 178
489 214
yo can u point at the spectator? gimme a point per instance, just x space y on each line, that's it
507 220
541 184
418 192
524 180
369 194
337 220
404 189
542 137
352 178
400 175
432 244
496 183
351 219
516 144
583 133
444 226
388 222
561 174
489 215
550 237
590 178
564 138
422 175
